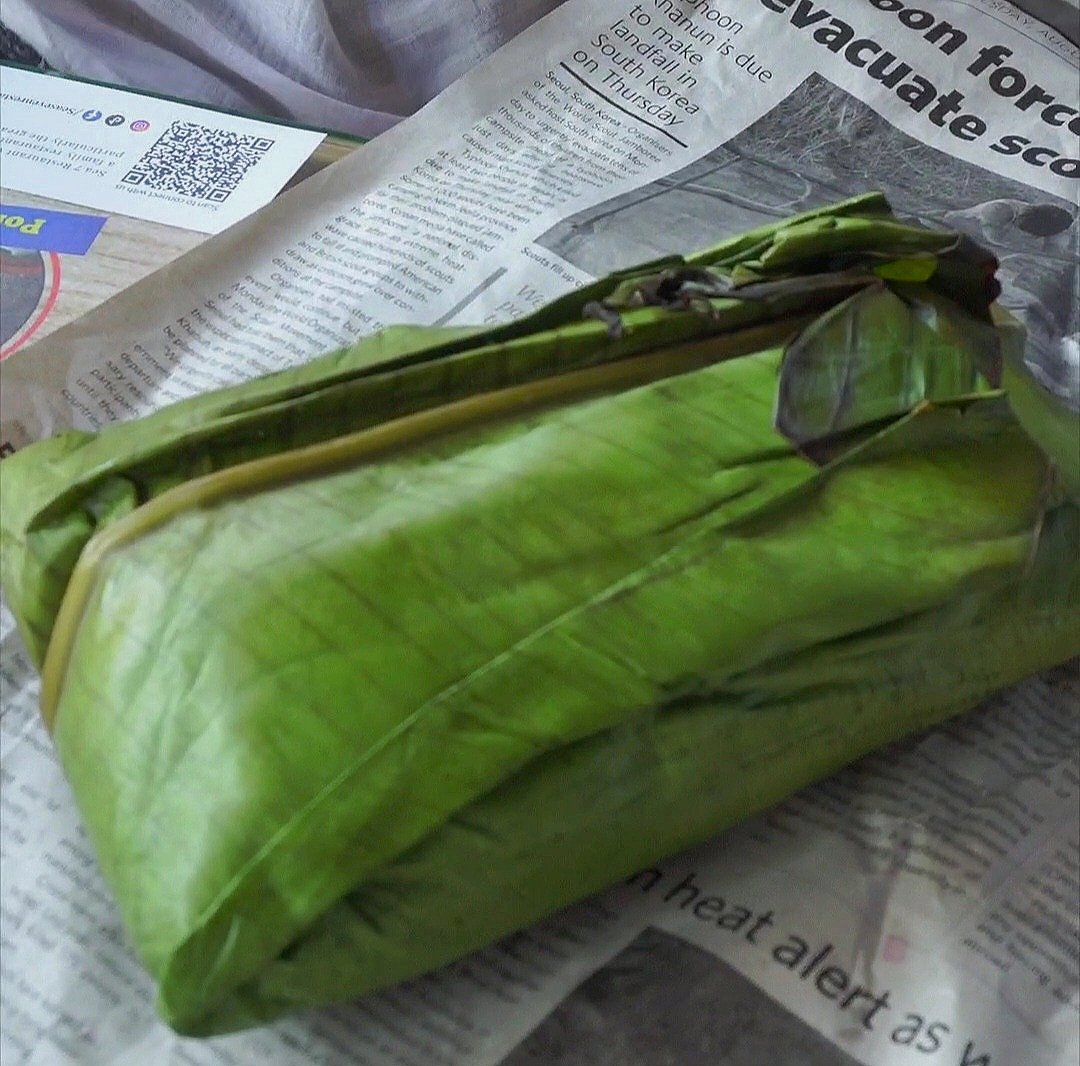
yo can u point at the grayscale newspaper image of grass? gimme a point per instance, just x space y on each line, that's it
665 1000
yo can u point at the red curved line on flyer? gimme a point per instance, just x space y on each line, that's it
50 303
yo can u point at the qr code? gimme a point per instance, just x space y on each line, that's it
197 161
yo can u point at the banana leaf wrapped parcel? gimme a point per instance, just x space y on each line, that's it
359 666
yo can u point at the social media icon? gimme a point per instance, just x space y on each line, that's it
140 125
91 115
114 120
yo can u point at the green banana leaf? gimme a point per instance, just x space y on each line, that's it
358 667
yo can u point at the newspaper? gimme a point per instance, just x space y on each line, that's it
919 907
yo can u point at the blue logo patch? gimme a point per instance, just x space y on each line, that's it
48 231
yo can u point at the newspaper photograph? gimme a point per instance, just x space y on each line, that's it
921 906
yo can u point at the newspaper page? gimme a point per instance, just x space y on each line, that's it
921 906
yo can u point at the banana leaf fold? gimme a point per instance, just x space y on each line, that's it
357 667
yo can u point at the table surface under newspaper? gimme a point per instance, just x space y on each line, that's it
937 881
